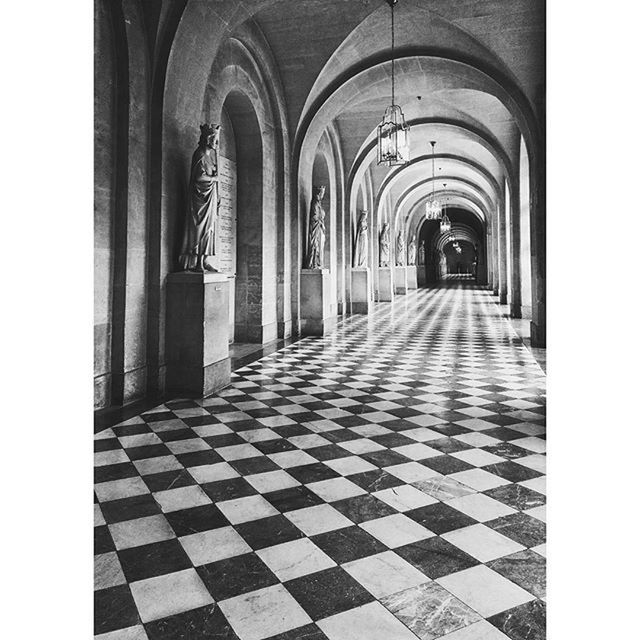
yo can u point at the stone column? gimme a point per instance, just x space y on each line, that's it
537 195
412 276
421 276
502 242
385 284
360 290
197 333
317 317
400 280
516 279
495 255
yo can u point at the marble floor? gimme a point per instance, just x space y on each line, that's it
385 482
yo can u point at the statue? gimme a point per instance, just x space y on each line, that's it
385 245
412 251
361 253
421 253
400 257
315 244
200 229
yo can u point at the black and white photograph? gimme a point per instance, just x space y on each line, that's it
315 406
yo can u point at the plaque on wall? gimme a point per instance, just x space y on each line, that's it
226 241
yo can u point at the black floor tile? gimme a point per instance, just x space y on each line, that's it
446 464
102 540
312 473
525 568
129 508
436 557
150 560
350 543
376 480
326 593
228 489
512 471
206 622
196 519
268 532
526 622
114 608
517 497
520 527
440 518
168 480
234 576
198 458
363 508
110 472
249 466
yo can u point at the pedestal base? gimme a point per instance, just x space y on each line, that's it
538 336
316 316
197 333
360 290
412 277
400 280
385 284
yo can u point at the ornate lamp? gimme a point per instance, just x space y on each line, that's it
445 223
433 206
393 132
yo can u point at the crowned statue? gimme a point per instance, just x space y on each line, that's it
361 253
203 201
400 250
385 245
411 260
421 253
316 238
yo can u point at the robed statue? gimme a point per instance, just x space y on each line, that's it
316 239
361 252
421 253
203 201
385 245
411 260
400 250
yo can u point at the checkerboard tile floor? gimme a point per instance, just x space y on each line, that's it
383 482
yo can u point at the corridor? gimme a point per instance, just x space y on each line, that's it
383 482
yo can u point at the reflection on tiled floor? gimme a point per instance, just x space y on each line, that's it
384 482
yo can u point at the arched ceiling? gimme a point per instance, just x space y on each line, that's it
476 63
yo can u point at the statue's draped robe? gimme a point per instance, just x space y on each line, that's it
199 237
315 246
385 245
412 253
361 254
400 251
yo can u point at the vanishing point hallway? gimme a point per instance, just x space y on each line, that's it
383 482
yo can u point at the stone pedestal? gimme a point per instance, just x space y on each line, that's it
400 280
360 290
412 276
316 316
197 333
385 284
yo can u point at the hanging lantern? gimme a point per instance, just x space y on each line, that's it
445 223
433 209
393 138
393 131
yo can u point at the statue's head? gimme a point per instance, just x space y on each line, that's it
363 215
385 226
210 135
318 192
